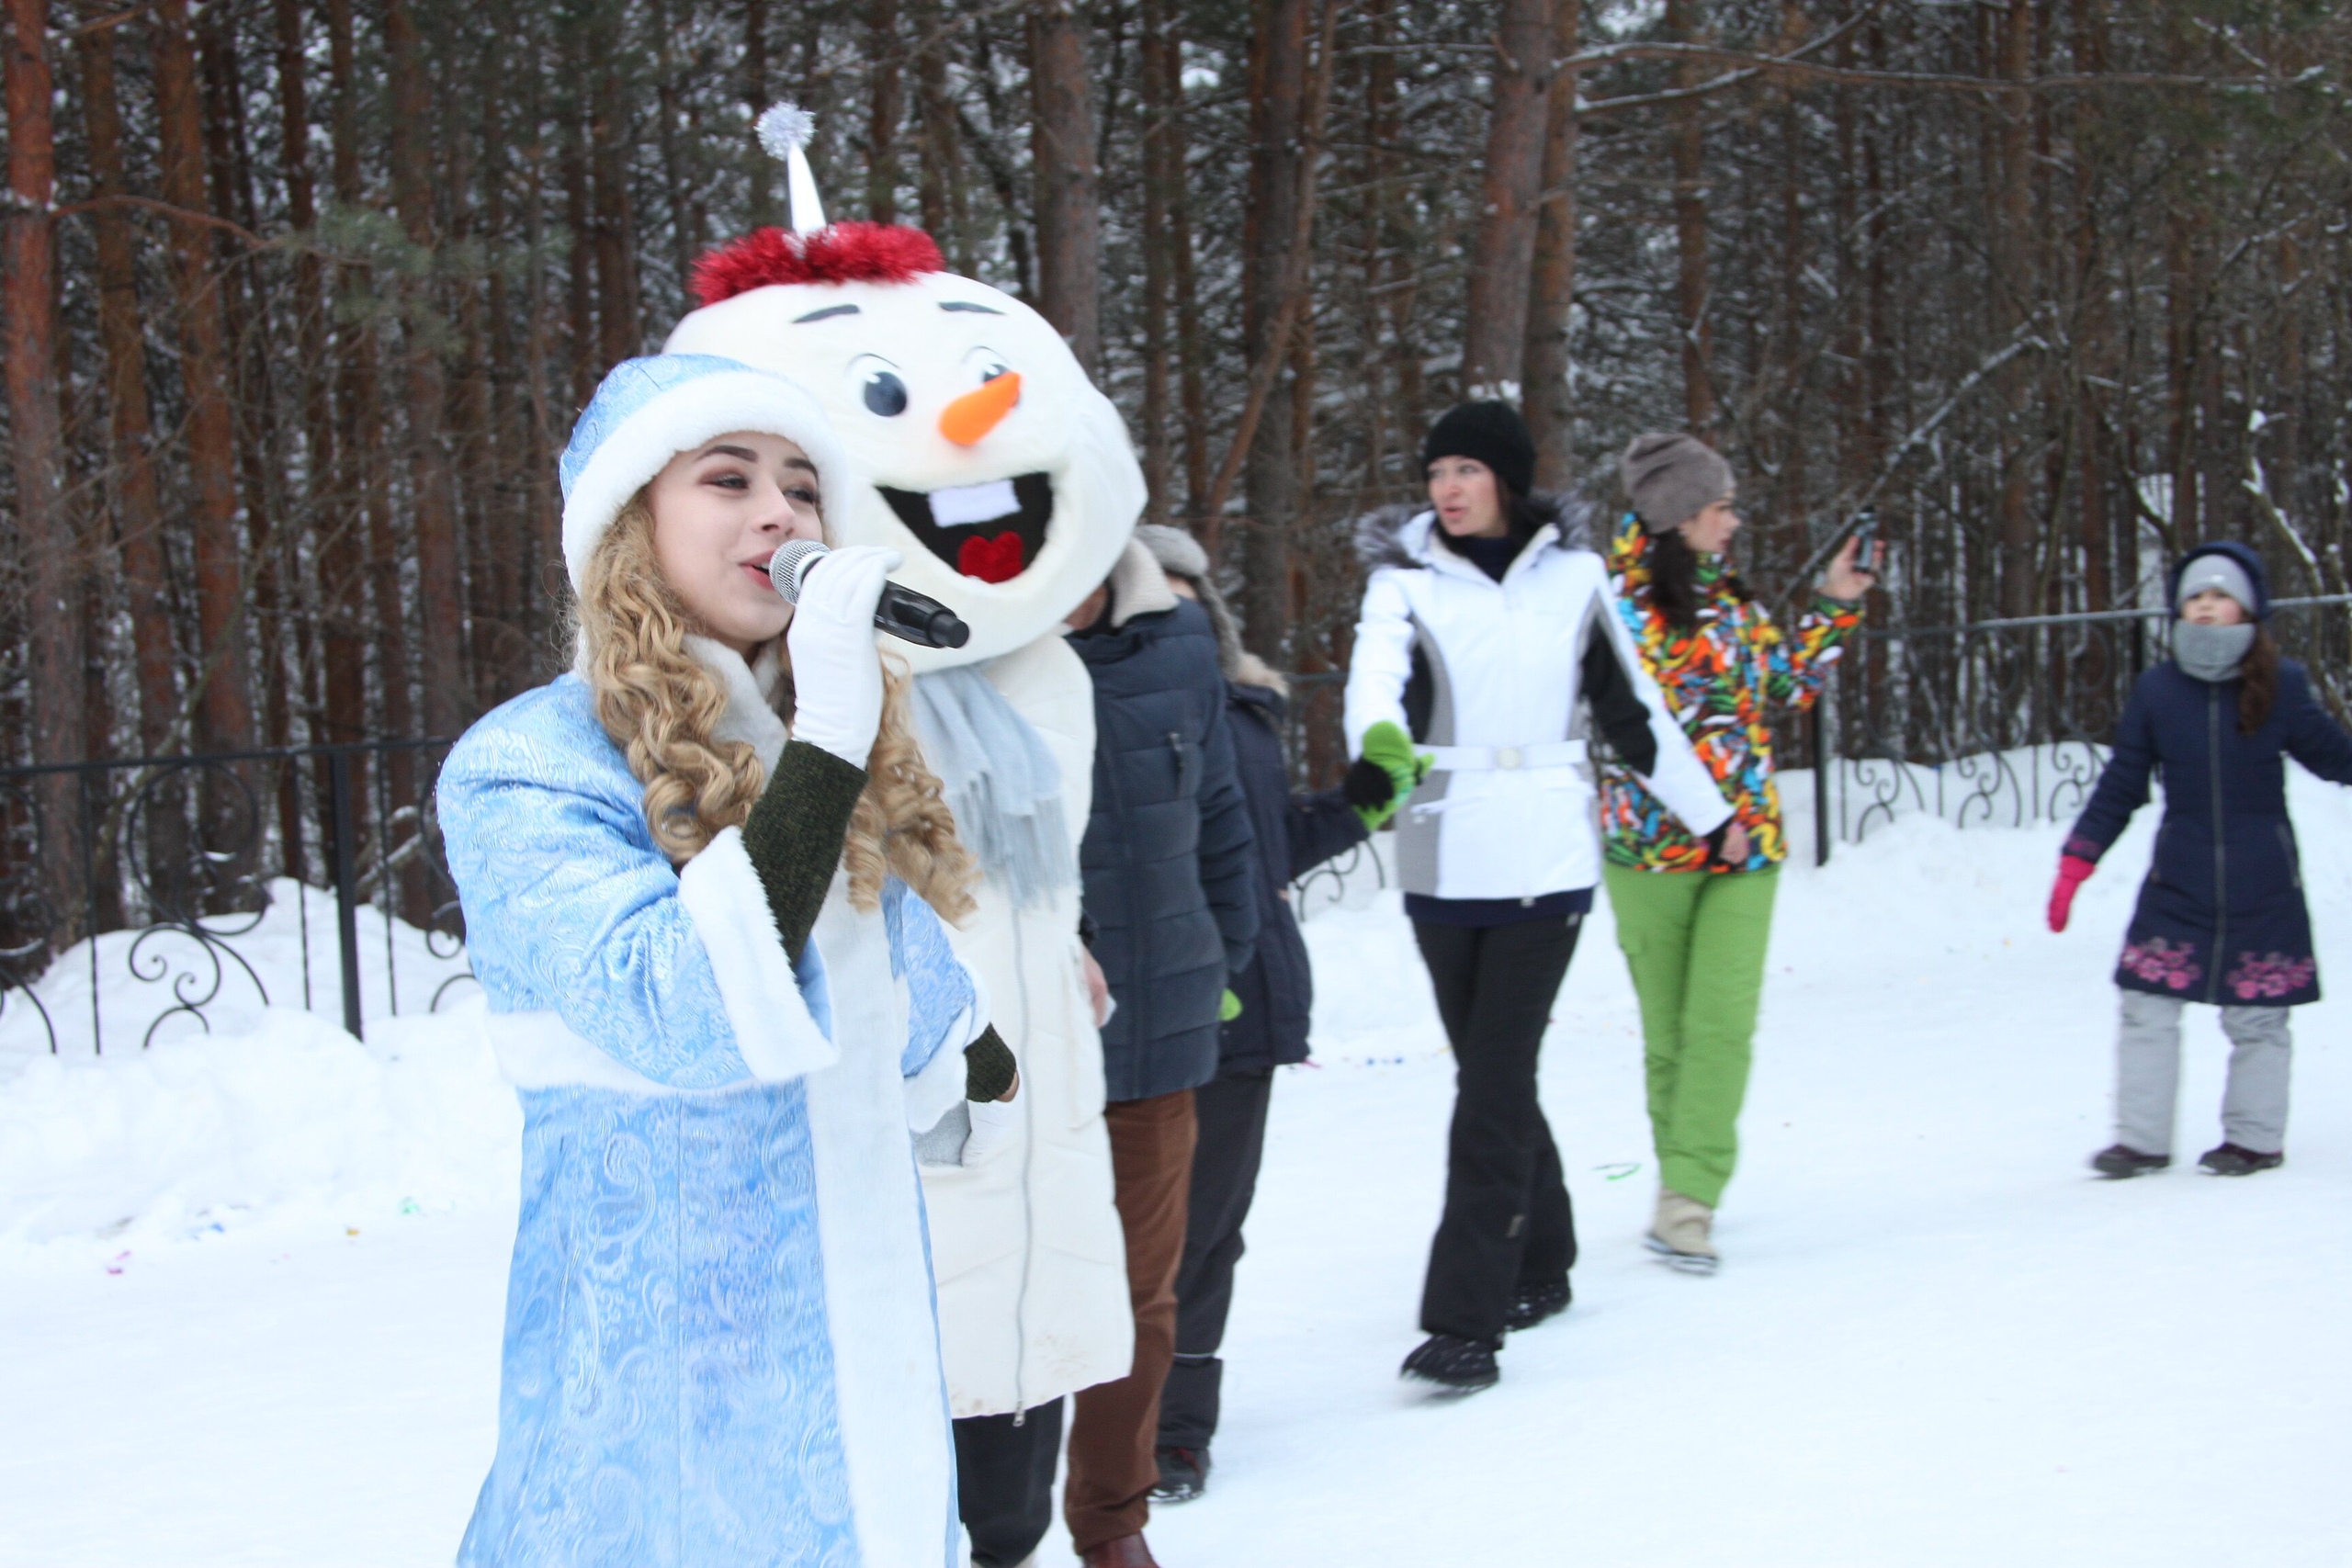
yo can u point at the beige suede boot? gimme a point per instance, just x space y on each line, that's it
1679 1234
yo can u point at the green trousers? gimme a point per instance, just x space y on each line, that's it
1695 942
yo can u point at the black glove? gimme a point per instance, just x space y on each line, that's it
989 1067
1368 784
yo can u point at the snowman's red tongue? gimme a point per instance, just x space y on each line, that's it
991 560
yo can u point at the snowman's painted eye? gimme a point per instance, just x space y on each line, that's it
983 366
878 385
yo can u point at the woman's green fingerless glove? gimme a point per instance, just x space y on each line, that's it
988 1067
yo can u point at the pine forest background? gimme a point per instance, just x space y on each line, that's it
302 295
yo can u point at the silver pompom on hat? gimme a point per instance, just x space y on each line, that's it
785 131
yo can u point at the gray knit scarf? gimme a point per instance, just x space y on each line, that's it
1001 780
2211 653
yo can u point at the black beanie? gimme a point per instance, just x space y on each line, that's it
1491 433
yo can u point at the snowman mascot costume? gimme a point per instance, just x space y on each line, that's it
1010 486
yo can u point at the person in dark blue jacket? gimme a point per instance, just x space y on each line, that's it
1296 832
2220 917
1167 863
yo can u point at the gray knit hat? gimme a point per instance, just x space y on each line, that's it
1180 555
1670 480
2216 570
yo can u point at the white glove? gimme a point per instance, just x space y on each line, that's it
836 670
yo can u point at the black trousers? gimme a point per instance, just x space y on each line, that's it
1507 1218
1004 1482
1232 1118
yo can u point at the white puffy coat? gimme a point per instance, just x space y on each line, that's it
1027 1248
1510 810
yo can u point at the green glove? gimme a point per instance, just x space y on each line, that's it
1391 749
1228 1007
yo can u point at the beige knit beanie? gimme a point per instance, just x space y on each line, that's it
1670 480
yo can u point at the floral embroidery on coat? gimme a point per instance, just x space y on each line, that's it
1719 679
2162 963
2270 977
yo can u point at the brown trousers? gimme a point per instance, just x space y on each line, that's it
1115 1426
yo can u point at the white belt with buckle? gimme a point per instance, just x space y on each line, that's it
1478 759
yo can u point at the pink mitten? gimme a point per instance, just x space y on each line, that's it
2073 871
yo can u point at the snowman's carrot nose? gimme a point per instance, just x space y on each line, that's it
977 413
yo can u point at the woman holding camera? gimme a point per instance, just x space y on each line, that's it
699 875
1488 634
1693 919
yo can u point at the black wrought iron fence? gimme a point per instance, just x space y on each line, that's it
137 895
2006 722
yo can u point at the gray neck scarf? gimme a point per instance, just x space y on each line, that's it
2211 653
999 779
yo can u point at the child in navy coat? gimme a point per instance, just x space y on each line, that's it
2220 917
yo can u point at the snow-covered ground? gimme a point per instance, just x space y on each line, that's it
250 1285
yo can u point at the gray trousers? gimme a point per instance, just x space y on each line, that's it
2147 1074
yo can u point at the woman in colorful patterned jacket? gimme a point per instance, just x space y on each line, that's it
2221 917
1693 925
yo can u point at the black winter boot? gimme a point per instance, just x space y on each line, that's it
2120 1161
1183 1474
1532 1303
2232 1160
1462 1366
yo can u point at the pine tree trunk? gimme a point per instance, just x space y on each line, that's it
1550 411
440 591
1278 68
1688 143
1069 234
755 101
1158 193
2014 287
132 489
620 313
313 351
1502 263
1191 376
51 553
942 188
580 260
226 705
884 108
340 545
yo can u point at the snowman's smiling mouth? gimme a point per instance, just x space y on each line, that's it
991 531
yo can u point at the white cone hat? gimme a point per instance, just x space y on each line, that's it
783 131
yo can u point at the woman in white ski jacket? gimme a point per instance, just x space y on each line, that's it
1489 634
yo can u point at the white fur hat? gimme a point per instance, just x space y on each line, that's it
649 410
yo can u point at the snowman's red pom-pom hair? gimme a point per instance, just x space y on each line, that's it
843 253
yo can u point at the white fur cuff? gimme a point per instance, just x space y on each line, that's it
938 1088
730 909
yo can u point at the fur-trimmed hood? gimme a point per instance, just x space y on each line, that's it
1400 536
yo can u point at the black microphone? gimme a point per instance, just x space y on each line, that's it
901 612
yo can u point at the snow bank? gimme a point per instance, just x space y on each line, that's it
291 1118
278 1113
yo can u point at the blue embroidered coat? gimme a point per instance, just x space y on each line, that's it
2221 917
721 1345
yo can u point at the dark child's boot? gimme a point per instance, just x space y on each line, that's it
2120 1162
2231 1159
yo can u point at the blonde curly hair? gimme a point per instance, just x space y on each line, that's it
662 708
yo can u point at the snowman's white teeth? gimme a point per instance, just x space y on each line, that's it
960 504
990 531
